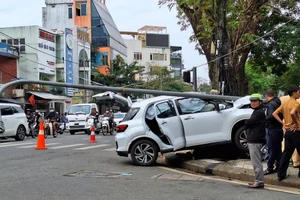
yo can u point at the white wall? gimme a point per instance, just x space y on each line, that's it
55 15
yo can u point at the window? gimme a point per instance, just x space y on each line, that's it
158 56
22 40
17 110
81 9
70 12
6 111
3 41
9 41
105 60
137 56
22 48
164 110
16 41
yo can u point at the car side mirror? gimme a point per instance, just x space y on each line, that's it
222 106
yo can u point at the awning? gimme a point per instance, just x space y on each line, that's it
16 101
49 96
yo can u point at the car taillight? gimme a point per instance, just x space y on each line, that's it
121 128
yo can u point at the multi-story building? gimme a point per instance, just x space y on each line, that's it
36 61
94 17
150 46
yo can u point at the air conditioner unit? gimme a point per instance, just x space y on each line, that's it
16 93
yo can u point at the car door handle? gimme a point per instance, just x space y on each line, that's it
188 118
163 122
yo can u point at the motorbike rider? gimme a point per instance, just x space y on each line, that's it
53 117
110 116
30 118
95 114
38 117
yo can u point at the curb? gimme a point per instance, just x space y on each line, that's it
226 171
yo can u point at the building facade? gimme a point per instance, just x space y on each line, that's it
150 46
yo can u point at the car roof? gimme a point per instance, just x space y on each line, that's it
84 104
145 102
9 104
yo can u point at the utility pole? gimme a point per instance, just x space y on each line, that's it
195 79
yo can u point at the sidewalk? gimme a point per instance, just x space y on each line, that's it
233 169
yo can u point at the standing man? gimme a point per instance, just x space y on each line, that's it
256 136
274 132
291 123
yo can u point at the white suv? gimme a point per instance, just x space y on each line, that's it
165 124
13 120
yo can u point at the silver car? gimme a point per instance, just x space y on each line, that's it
165 124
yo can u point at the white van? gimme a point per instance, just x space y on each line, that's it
77 117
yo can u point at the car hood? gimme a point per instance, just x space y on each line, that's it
110 95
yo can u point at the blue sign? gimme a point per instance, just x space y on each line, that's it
8 50
69 60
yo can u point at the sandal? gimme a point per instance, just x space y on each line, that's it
267 172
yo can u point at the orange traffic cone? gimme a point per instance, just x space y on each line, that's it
93 138
40 145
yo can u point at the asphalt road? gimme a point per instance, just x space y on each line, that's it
74 169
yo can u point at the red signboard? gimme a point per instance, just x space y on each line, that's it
47 36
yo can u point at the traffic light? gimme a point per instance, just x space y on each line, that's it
187 76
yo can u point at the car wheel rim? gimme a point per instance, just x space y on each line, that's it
21 133
144 153
243 139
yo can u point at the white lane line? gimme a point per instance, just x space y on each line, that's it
111 149
65 146
25 147
92 147
15 144
97 137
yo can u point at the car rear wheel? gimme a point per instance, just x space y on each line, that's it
240 139
144 153
21 133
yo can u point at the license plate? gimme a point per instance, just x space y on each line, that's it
76 124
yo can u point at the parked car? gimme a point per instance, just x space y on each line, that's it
13 121
165 124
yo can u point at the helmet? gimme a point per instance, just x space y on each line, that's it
37 111
28 109
255 97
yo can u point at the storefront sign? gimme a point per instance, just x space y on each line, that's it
9 51
69 60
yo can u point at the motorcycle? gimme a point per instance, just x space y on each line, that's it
49 129
105 127
90 122
33 132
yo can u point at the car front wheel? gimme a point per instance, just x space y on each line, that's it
240 139
21 133
144 153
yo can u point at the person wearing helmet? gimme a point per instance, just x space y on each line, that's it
53 117
38 117
291 123
256 135
30 117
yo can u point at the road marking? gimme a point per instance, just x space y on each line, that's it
25 147
216 178
97 137
92 147
65 146
15 144
111 149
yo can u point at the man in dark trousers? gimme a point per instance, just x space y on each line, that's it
274 132
256 136
291 123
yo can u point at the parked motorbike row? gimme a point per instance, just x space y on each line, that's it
48 129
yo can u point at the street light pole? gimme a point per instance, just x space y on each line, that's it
85 60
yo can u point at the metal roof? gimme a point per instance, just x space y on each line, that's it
49 96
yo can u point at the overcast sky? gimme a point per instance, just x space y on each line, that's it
129 15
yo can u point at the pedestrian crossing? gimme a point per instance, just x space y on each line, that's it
55 145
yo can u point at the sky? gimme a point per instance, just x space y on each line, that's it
129 15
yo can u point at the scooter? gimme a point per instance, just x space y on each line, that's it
105 128
48 126
33 132
90 123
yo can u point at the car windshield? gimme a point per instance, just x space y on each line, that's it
119 115
80 109
191 105
131 114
